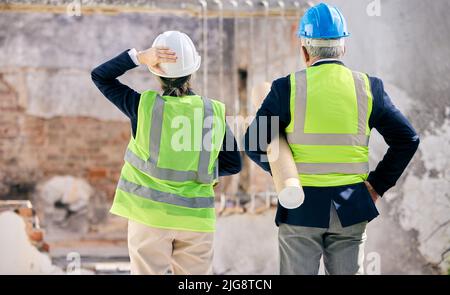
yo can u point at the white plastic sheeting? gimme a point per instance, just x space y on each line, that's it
17 254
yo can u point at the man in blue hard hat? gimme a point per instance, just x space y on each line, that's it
327 112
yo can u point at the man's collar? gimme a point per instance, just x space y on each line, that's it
327 61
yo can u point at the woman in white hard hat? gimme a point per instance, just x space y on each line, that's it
177 150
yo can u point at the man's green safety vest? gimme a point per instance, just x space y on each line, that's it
171 163
329 132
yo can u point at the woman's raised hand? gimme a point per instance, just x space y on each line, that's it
154 56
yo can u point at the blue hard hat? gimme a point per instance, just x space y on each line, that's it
323 21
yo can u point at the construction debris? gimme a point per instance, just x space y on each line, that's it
255 204
110 267
32 225
18 252
64 202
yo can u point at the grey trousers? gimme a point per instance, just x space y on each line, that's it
302 247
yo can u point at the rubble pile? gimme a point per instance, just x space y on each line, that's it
23 250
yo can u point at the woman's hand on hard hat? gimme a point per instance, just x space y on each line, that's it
154 56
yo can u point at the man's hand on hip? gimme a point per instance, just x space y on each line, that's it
375 196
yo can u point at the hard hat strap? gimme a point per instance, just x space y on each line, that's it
323 42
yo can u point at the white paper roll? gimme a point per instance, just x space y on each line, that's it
284 173
291 197
282 164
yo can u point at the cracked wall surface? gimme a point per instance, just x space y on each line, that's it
404 46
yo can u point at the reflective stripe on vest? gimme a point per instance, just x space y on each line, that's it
299 137
322 168
164 197
150 166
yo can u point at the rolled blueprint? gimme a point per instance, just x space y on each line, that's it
284 173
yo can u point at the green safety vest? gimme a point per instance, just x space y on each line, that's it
329 132
171 163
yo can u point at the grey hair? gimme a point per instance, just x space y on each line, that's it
324 52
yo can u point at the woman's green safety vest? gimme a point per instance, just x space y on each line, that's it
171 163
329 132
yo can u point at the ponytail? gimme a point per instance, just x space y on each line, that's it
176 86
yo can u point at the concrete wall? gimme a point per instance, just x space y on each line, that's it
57 52
405 46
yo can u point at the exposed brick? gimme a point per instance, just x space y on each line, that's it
25 212
97 172
99 158
82 147
4 87
9 131
33 131
55 157
36 235
8 101
115 175
10 117
45 247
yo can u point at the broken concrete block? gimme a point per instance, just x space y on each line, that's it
17 254
71 191
64 201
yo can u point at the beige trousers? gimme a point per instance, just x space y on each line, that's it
155 251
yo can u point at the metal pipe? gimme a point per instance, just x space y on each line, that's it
221 74
236 106
250 66
204 7
282 13
282 8
266 35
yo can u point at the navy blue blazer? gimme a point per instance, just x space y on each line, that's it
353 202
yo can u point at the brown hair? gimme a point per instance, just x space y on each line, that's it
176 86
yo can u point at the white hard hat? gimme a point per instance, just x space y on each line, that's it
188 60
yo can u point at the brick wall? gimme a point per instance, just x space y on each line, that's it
33 149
